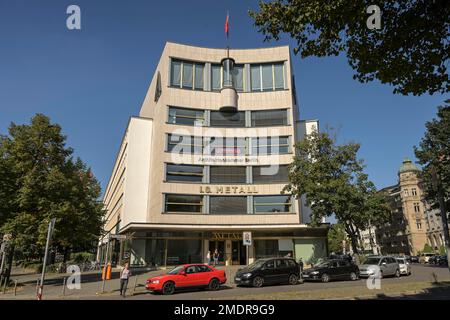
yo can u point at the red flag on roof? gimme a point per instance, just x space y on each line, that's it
226 25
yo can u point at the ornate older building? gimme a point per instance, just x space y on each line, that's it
206 160
413 223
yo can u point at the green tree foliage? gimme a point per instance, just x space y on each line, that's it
410 51
332 179
434 151
336 236
45 182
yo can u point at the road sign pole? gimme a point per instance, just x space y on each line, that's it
105 270
51 225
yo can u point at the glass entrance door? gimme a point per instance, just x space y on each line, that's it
220 246
238 253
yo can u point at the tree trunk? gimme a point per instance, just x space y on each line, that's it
353 236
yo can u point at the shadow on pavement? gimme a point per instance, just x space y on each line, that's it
438 291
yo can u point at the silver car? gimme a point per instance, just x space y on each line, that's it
388 266
404 266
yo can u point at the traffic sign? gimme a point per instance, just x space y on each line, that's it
118 236
247 238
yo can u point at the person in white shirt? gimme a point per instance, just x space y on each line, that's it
124 276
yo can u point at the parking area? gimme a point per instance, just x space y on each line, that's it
91 286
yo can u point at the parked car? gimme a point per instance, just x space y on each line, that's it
414 259
388 267
404 266
187 276
335 269
269 271
425 257
432 260
442 260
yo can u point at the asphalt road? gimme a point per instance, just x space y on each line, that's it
420 273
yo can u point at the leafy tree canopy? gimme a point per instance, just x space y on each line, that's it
41 181
410 51
434 151
332 179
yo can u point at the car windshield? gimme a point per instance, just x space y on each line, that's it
372 261
255 265
176 270
401 261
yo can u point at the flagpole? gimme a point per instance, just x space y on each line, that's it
228 39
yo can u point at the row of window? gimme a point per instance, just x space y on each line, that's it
219 146
196 76
226 174
213 118
227 204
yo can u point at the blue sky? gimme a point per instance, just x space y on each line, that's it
91 81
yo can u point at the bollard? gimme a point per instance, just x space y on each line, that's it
64 287
135 283
15 287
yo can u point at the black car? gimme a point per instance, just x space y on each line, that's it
335 269
414 259
269 271
432 260
442 260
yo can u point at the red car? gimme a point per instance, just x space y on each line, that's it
187 276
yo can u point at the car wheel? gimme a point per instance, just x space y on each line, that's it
258 281
293 279
325 277
353 276
397 273
168 288
214 285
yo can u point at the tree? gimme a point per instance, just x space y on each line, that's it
48 183
336 236
332 179
434 151
410 51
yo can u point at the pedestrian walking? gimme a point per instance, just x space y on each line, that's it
124 277
208 258
216 257
300 264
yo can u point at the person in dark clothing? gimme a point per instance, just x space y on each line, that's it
300 264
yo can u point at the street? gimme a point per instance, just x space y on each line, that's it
422 277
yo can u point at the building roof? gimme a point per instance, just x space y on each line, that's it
408 166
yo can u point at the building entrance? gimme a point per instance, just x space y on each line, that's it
238 253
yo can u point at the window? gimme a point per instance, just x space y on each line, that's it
183 252
186 74
270 145
227 119
414 191
270 264
228 174
270 174
267 118
228 205
238 77
267 77
266 248
281 263
184 173
419 224
190 117
272 204
215 77
416 207
406 192
184 144
227 146
183 203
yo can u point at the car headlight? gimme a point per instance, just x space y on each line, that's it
315 272
370 271
155 281
246 275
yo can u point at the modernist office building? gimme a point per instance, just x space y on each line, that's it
206 160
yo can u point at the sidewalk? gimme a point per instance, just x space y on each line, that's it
91 284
